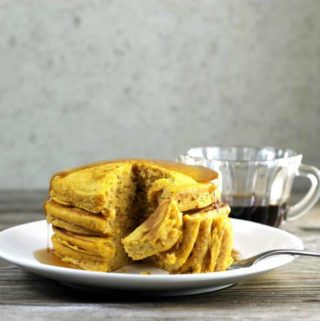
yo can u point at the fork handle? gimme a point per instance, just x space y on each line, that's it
286 251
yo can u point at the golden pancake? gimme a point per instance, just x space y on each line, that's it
107 212
101 189
106 187
98 253
93 245
77 220
174 258
188 195
158 233
225 256
200 246
210 262
79 259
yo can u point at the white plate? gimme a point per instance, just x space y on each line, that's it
17 245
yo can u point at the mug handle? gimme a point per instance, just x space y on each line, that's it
308 201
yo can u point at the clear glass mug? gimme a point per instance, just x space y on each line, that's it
257 182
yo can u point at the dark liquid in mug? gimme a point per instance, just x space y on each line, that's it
272 215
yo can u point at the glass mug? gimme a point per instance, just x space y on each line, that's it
257 182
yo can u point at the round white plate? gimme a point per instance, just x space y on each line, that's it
17 245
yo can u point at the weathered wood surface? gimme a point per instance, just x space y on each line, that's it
289 293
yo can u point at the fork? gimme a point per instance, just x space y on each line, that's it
254 259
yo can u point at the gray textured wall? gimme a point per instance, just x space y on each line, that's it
86 80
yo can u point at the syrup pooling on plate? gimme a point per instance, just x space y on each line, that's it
47 256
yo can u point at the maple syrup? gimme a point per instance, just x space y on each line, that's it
47 256
272 215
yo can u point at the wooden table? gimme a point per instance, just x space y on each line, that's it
289 293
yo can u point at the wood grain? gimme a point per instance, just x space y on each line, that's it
289 293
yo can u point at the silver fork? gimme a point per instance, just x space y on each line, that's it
254 259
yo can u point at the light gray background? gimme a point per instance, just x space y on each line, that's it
88 80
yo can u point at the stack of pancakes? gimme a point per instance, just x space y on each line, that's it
106 215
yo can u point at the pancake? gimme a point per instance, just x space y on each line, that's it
174 258
98 189
93 245
225 259
79 259
106 187
77 220
107 214
68 226
217 234
200 247
158 233
90 252
189 196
